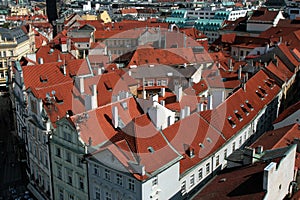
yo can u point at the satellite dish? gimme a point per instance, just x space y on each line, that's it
47 95
53 92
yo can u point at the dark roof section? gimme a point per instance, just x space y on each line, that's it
13 34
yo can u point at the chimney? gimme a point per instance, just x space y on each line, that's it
187 111
178 92
115 117
162 92
182 115
210 102
99 71
90 141
81 85
248 157
41 61
94 102
240 73
129 73
297 142
64 70
259 149
230 64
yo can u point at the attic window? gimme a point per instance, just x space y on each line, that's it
201 145
150 149
260 95
244 109
209 140
240 118
233 125
43 79
263 90
249 105
124 105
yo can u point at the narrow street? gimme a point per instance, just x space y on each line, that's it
12 174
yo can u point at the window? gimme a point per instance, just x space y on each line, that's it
69 177
158 83
200 174
207 168
68 136
108 196
71 197
192 180
96 169
81 184
233 146
58 152
164 82
183 187
59 173
225 153
150 83
107 174
68 156
119 179
240 141
217 160
131 184
61 194
97 193
154 181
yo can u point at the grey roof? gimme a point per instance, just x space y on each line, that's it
162 71
10 34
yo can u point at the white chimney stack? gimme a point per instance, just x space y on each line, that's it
162 92
187 111
240 73
210 102
178 92
81 85
182 115
99 71
94 102
115 117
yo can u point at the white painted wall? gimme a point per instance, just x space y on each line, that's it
277 177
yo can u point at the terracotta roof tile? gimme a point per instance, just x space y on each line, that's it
287 112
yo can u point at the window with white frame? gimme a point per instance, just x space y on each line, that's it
192 180
154 181
200 173
217 160
225 153
207 168
233 146
183 187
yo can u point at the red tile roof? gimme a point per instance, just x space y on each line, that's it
242 105
236 184
281 137
199 132
263 15
287 112
52 55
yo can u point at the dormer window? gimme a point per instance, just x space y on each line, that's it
240 118
43 79
244 109
231 122
262 90
150 149
249 105
260 95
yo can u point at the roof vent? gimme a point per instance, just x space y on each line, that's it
201 145
209 140
150 149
